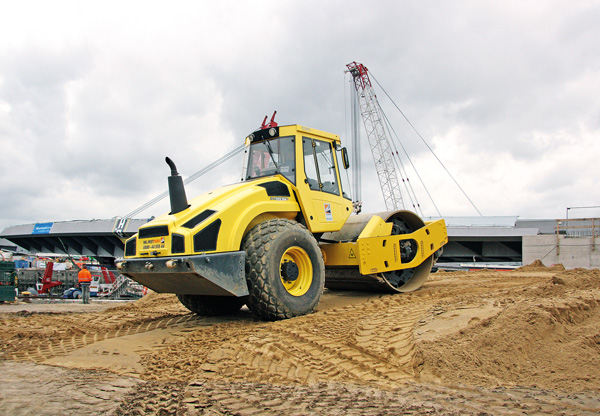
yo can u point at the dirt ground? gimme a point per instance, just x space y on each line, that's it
468 343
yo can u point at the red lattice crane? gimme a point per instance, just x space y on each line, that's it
378 141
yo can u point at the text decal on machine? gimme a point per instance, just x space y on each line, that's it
328 216
154 244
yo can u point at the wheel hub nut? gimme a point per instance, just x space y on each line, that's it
289 271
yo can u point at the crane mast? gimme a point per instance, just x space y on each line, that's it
378 140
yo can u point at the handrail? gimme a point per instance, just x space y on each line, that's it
577 228
579 224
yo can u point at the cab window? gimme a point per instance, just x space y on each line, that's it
319 166
310 166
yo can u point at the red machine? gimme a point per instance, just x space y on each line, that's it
108 276
47 282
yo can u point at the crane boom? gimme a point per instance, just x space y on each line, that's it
378 140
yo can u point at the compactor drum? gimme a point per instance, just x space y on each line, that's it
394 281
274 240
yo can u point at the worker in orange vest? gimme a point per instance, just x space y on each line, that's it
85 277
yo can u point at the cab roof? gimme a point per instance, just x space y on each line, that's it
292 129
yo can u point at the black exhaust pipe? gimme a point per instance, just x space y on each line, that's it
176 190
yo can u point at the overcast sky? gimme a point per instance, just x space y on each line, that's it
94 95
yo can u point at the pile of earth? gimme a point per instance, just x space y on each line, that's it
488 342
545 334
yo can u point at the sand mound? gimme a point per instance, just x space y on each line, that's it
578 279
486 342
537 265
164 302
547 336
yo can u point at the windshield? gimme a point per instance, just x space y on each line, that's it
270 157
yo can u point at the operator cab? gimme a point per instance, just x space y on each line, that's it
309 159
269 155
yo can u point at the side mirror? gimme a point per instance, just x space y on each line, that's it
345 160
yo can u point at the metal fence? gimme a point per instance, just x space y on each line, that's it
578 227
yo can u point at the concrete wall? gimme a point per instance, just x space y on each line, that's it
570 252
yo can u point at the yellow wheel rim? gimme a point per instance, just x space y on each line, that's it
302 283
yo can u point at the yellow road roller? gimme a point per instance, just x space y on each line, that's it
274 240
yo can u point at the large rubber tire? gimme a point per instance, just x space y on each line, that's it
269 246
212 305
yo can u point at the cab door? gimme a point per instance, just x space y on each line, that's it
323 204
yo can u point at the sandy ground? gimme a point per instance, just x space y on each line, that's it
467 343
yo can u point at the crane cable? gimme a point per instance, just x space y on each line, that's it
191 178
389 126
404 173
428 147
400 165
355 164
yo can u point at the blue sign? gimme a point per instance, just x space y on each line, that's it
42 228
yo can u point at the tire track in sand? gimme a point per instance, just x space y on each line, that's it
39 350
250 398
367 342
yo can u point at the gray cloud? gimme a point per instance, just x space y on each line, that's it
90 104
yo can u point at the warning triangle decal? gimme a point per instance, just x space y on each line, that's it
352 255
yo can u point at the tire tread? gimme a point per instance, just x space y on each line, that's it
263 300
